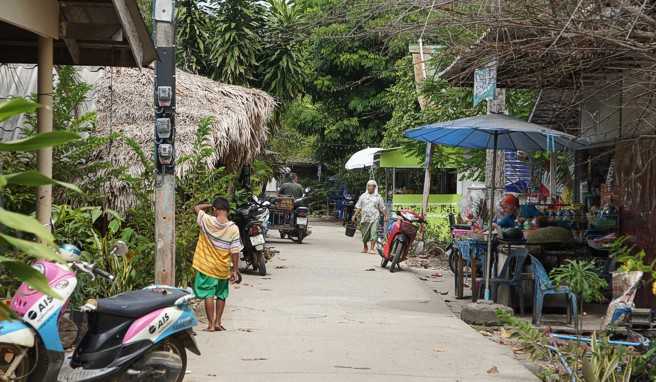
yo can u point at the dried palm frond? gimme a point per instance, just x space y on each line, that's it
124 101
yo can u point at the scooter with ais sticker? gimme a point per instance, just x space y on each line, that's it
141 335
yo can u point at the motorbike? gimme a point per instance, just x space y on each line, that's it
349 209
140 335
251 219
402 232
292 222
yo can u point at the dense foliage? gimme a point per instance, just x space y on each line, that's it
242 42
16 229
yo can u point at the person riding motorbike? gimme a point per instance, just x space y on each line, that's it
292 188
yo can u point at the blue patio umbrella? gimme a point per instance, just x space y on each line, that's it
494 132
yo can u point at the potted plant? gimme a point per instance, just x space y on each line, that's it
630 259
583 278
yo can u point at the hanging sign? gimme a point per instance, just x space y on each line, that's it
485 83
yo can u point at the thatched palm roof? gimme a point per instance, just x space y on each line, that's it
124 104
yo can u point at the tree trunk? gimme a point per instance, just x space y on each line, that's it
496 106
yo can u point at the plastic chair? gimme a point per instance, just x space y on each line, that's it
544 287
511 275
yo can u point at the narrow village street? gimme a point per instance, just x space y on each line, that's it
326 312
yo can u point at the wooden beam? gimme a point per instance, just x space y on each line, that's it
85 4
73 49
125 14
37 16
91 32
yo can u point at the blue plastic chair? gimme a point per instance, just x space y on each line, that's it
544 287
511 275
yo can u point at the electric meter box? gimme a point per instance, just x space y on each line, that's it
164 96
163 128
165 153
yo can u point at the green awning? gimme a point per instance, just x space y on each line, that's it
403 199
400 158
404 158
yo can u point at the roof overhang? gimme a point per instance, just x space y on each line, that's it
90 32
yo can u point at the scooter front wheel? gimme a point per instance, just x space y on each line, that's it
397 251
11 355
261 263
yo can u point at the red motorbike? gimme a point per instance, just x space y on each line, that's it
400 236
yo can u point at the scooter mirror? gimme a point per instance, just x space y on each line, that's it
255 198
308 190
120 249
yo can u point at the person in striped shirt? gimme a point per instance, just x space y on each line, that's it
216 259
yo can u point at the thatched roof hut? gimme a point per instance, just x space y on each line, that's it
124 104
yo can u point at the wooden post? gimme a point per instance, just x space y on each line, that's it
164 99
420 56
474 277
552 177
460 277
494 179
496 106
44 125
427 178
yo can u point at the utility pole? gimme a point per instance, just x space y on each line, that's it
164 92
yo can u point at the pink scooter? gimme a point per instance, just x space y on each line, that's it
137 336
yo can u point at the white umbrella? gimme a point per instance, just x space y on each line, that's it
362 159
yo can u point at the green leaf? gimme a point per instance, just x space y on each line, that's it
40 141
29 275
114 225
16 106
95 214
25 223
34 178
33 249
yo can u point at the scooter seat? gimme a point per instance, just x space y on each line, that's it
138 303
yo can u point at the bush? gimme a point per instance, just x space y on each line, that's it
200 185
583 278
438 230
95 231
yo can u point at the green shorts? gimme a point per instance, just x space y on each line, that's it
207 286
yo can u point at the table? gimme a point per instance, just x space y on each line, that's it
469 249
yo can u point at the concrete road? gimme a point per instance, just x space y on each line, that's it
322 314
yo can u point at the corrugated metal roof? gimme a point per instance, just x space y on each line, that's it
20 80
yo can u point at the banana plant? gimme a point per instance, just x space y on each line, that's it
12 222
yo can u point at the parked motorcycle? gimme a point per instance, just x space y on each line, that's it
141 335
300 218
251 220
400 236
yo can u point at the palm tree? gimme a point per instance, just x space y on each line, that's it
282 70
236 42
192 35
